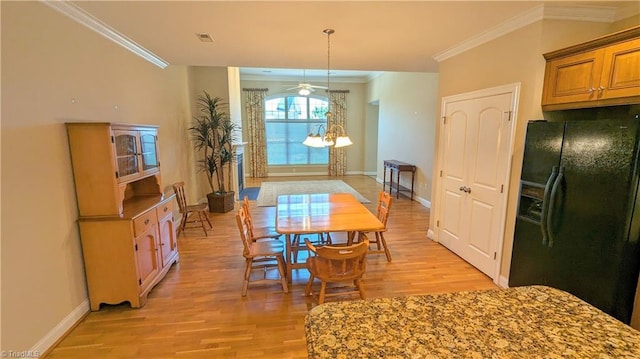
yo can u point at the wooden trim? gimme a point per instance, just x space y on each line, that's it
619 36
635 100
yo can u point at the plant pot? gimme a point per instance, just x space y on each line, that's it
221 202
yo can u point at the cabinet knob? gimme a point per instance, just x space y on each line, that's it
166 208
600 88
146 221
591 90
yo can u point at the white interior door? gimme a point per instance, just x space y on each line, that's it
476 148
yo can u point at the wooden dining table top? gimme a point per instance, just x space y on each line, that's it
323 212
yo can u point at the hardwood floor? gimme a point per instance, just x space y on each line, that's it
197 310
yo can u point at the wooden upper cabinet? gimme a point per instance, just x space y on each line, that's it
602 72
136 153
113 163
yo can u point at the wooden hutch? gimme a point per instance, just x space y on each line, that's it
126 222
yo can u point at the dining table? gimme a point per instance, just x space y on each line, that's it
299 214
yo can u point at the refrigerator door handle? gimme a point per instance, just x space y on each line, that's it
545 204
552 200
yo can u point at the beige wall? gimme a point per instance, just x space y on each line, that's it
407 122
515 57
215 81
48 60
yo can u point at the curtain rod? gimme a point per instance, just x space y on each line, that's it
255 89
337 91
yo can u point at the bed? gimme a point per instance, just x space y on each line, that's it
521 322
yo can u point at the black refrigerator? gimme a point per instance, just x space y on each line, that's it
578 220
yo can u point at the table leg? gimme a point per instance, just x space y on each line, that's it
384 177
398 190
287 255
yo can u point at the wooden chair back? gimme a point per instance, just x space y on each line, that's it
178 188
245 232
384 205
339 263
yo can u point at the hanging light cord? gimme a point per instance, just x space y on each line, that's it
328 32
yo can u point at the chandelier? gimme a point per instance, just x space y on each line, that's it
335 135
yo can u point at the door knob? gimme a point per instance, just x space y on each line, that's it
463 188
468 189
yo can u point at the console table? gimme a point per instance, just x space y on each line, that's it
396 167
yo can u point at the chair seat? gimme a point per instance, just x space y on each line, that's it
196 207
266 248
265 232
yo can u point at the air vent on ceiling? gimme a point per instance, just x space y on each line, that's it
205 37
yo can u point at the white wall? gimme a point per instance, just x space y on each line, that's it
407 124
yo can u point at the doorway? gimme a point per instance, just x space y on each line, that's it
476 145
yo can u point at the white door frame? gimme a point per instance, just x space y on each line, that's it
514 90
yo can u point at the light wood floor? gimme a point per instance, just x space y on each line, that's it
197 310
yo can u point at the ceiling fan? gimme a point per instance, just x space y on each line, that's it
305 89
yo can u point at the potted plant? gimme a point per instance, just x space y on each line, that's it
213 135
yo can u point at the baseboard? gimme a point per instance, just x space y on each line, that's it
503 282
423 201
60 330
430 234
370 174
294 174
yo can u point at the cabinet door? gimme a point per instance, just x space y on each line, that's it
168 243
126 144
573 78
621 70
149 152
147 256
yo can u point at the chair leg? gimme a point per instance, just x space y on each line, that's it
204 214
203 217
309 287
283 277
295 247
384 245
323 289
358 285
185 219
247 275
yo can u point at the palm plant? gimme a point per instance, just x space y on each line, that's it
213 134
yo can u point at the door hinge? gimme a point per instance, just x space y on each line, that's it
438 223
444 119
136 247
440 173
113 140
495 255
117 175
501 188
139 281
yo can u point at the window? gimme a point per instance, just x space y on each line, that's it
288 120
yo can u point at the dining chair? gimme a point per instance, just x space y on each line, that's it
257 233
189 211
384 206
260 255
333 264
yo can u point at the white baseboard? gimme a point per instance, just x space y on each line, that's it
62 328
430 234
294 174
503 282
370 174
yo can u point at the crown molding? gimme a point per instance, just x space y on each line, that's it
552 12
78 14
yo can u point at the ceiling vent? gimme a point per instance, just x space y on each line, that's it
205 37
